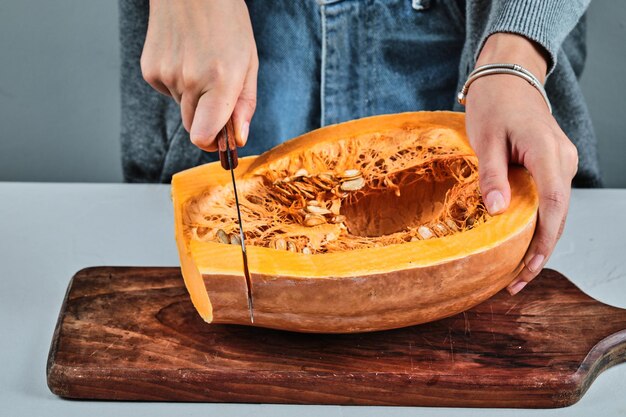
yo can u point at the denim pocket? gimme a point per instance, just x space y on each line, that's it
453 10
456 11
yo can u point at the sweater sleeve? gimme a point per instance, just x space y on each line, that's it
547 22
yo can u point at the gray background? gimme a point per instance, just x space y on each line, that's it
59 98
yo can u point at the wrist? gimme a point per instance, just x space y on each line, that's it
514 49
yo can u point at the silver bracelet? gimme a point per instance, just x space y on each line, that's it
511 69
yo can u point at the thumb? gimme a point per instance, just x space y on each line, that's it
493 169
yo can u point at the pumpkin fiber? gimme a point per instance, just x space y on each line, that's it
367 225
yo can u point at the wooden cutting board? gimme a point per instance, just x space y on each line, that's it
132 334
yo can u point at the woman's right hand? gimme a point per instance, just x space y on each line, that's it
203 54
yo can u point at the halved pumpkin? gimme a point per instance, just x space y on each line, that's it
367 225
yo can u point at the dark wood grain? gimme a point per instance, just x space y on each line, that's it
132 334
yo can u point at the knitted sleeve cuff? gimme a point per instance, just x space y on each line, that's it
546 22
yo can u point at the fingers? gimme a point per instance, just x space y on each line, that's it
551 220
188 104
234 98
203 55
204 115
493 169
246 104
207 106
211 114
519 129
152 75
553 179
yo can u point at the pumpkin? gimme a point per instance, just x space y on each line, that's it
372 224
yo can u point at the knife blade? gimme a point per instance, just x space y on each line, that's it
229 161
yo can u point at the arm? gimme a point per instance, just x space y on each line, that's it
508 122
203 54
545 22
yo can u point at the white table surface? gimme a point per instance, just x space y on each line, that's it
50 231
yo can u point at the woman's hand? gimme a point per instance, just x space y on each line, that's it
202 53
508 122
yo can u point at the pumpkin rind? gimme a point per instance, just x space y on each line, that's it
363 289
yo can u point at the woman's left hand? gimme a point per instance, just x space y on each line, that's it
508 122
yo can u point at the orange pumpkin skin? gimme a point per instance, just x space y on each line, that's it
359 290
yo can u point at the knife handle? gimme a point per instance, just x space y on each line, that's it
226 143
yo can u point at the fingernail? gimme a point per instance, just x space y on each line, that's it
517 287
494 202
535 263
245 129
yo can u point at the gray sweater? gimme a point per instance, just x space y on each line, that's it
150 120
559 26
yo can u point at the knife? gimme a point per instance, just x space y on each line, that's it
229 160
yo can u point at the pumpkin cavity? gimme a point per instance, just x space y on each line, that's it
374 189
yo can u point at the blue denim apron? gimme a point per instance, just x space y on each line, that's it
327 61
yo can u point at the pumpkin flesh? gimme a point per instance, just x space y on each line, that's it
377 272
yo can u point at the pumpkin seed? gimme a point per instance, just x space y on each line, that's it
317 210
305 186
308 181
301 173
255 199
322 184
335 206
293 187
280 244
291 247
425 232
440 229
312 220
235 239
353 185
338 193
340 218
351 174
313 203
306 250
283 199
307 194
222 236
282 188
452 225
